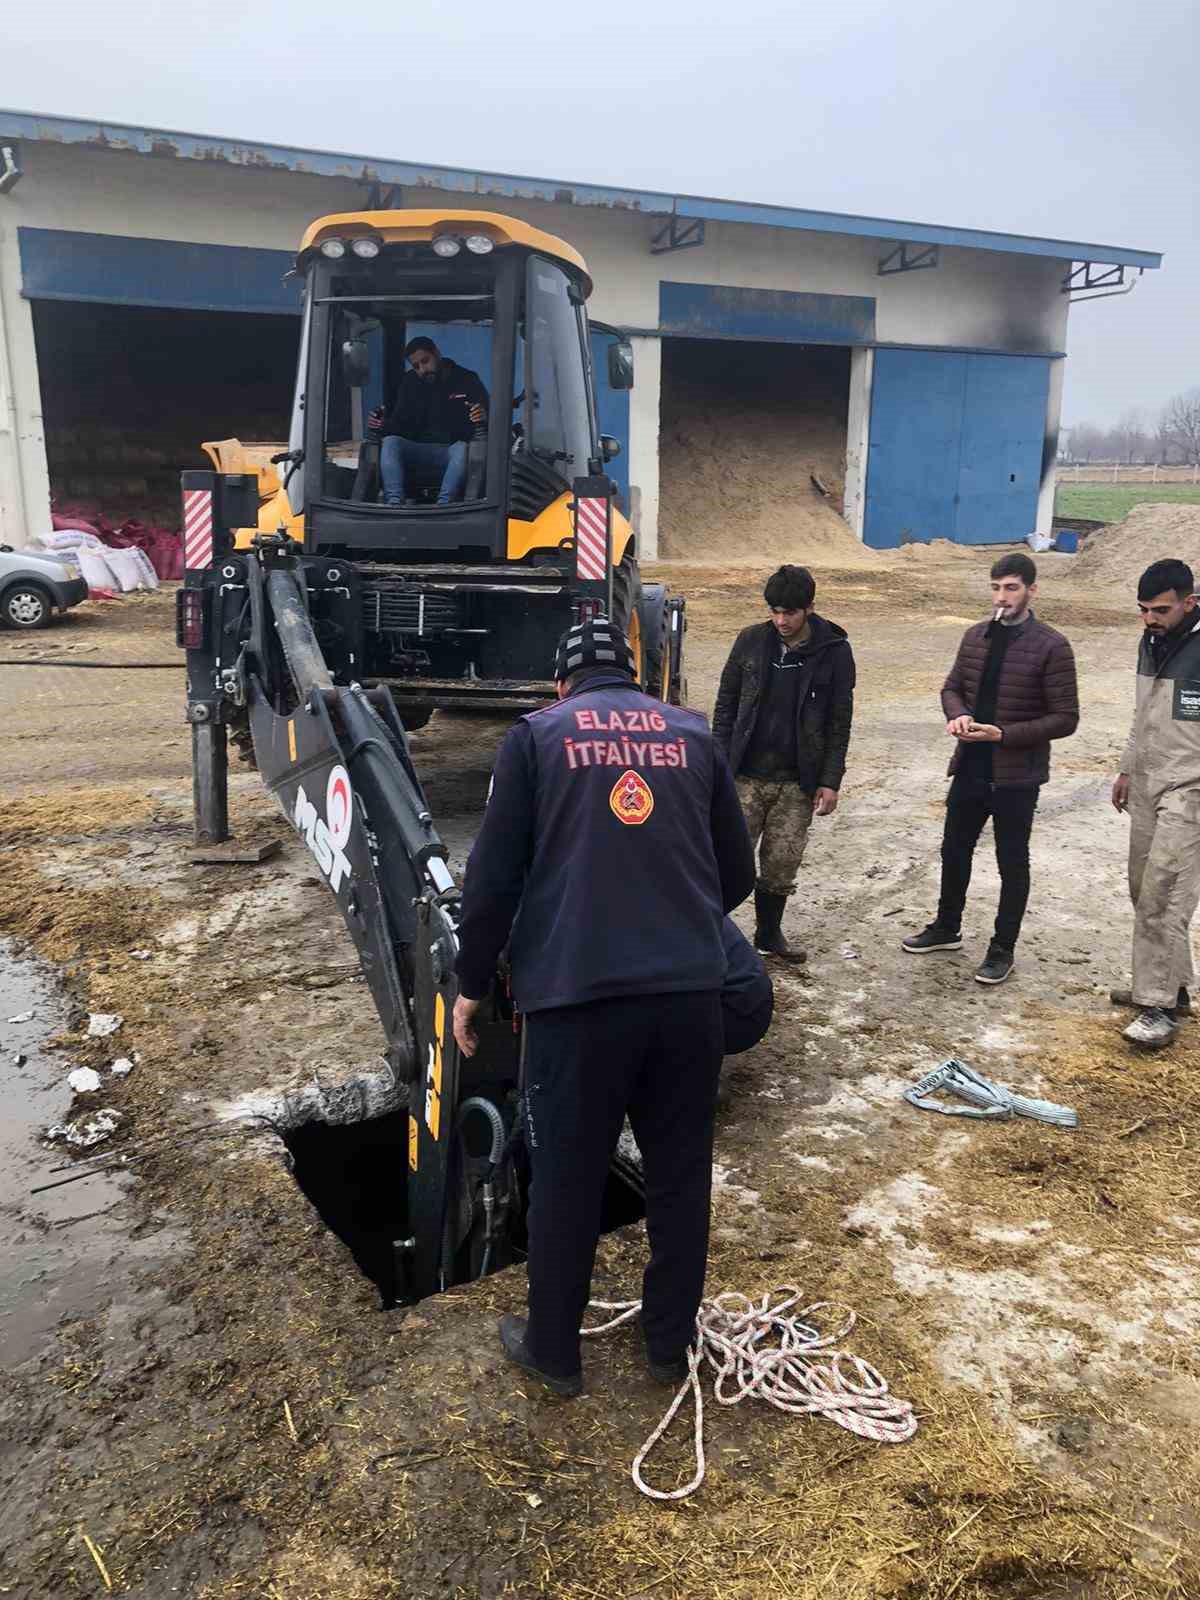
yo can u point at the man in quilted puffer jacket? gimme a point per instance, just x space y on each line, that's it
1011 690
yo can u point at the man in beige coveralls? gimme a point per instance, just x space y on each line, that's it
1159 785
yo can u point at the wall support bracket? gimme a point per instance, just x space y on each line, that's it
1085 277
383 197
677 234
907 257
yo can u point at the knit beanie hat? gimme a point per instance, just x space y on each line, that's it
593 644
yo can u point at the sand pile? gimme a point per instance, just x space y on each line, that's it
1116 556
741 441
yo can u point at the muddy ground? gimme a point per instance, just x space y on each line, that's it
214 1405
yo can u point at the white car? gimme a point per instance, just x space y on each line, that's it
34 586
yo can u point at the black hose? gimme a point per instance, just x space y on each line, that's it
478 1103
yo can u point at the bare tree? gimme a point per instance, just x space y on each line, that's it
1129 437
1087 441
1181 420
1164 442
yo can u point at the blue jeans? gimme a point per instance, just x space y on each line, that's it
401 460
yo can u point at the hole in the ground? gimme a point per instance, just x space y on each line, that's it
354 1178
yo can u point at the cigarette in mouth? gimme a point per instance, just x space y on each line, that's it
999 613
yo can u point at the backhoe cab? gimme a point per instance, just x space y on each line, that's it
458 604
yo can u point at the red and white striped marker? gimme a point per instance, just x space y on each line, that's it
197 528
591 539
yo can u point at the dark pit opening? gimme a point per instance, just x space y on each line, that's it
354 1178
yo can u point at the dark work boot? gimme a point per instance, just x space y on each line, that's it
768 936
512 1338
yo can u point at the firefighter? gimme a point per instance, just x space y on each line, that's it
612 847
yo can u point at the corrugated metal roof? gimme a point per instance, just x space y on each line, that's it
370 169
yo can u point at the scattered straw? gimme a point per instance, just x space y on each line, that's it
97 1557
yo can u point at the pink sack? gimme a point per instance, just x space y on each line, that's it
61 523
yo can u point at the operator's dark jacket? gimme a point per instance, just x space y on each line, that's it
826 699
1037 698
597 905
434 411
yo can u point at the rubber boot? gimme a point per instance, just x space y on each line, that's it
768 937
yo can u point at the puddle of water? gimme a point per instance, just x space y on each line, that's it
63 1254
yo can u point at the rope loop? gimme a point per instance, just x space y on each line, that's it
765 1350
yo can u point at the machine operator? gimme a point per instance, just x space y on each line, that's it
425 435
612 848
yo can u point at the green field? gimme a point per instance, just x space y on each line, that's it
1110 502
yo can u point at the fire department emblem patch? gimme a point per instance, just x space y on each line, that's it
631 799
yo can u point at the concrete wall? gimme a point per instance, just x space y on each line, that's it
858 436
976 299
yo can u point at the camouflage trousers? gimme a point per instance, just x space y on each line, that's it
778 816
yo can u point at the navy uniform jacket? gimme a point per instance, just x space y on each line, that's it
612 847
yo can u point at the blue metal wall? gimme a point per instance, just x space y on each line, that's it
713 311
955 447
111 270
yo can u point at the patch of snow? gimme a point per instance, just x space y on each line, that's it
103 1023
905 1202
1010 1235
85 1131
996 1036
848 1102
819 1162
1003 1324
737 1191
825 1130
83 1080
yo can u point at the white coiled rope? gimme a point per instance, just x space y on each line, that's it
767 1350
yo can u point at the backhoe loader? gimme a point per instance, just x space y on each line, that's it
322 622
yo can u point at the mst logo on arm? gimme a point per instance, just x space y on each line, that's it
326 836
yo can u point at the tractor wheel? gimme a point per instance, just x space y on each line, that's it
677 692
414 716
656 641
626 591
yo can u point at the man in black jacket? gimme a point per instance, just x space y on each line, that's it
425 435
783 714
612 848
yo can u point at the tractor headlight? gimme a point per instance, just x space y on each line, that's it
365 249
335 249
479 244
446 246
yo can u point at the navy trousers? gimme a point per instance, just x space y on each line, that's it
657 1059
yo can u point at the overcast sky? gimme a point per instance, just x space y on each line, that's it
1074 120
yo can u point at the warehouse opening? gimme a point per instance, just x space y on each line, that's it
130 392
752 450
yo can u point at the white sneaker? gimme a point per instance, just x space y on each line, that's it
1152 1028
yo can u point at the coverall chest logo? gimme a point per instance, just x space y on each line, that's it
631 799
